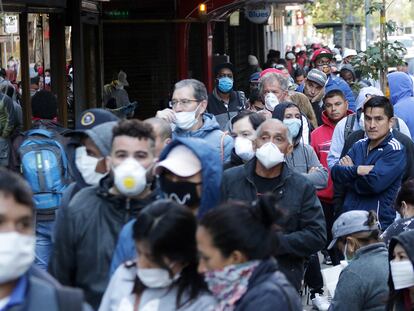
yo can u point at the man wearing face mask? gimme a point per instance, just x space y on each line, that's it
89 144
273 89
189 173
224 103
90 225
23 287
304 225
189 119
321 60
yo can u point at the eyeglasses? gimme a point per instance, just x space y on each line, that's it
184 102
323 64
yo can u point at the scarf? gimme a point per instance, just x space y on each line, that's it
228 285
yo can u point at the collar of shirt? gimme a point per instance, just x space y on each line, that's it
18 294
216 95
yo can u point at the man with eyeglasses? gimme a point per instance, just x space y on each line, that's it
322 60
224 102
188 117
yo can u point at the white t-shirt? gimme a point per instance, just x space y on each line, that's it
4 301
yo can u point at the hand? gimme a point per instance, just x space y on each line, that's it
346 161
364 169
313 170
167 114
266 113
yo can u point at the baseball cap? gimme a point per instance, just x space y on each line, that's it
349 52
181 161
223 65
321 53
317 76
349 223
91 118
271 70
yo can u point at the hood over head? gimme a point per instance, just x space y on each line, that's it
362 96
211 170
401 86
279 113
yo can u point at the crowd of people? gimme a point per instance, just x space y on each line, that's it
222 201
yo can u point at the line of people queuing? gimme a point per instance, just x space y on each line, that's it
217 203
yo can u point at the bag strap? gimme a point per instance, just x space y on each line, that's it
222 146
349 125
69 299
396 125
242 100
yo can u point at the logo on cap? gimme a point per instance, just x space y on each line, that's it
88 119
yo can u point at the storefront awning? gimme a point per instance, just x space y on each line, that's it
34 6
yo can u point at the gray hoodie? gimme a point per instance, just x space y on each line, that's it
362 285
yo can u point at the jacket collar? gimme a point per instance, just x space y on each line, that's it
266 267
326 121
375 247
250 168
383 143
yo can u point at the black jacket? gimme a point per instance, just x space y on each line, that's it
86 234
235 160
304 229
217 107
267 289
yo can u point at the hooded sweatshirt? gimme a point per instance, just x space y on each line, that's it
211 173
401 91
211 133
406 240
321 139
303 157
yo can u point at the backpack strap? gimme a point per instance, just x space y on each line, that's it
242 100
222 145
349 125
396 125
39 131
69 299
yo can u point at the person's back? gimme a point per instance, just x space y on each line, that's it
362 284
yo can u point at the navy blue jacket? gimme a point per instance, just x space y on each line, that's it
269 290
377 190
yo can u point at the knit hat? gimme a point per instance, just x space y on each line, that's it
317 76
102 136
44 105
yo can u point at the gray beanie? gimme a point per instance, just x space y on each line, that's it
101 135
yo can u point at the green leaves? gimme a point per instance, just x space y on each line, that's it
375 7
371 62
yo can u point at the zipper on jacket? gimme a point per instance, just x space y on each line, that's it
128 210
378 215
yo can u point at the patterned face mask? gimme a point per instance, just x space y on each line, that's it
228 285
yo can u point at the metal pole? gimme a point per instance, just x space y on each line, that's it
367 24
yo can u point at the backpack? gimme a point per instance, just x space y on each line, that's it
44 165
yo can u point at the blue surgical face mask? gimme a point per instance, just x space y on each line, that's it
293 125
225 84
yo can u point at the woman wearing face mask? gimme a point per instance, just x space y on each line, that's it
404 206
303 159
244 127
401 279
362 284
235 243
164 277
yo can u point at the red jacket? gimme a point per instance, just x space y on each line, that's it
321 139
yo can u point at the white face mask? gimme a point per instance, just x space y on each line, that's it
271 101
269 155
402 273
17 253
244 148
361 121
155 278
185 120
130 177
47 79
86 166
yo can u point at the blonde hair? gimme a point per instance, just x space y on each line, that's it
305 107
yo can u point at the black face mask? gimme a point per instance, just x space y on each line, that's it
183 192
